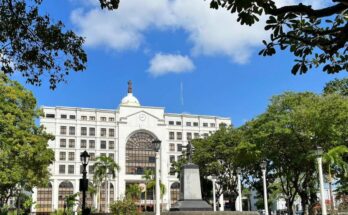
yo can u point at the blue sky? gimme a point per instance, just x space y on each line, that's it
162 45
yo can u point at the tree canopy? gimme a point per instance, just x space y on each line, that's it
315 36
24 156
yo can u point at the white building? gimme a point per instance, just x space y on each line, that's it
125 134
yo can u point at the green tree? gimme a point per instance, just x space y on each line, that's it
214 157
24 156
103 167
339 86
293 125
133 191
148 176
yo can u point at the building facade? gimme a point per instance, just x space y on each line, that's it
124 134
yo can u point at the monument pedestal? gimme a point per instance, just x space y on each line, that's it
190 191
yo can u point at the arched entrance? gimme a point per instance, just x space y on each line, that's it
44 199
66 188
140 153
174 192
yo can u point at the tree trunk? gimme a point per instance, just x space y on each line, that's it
290 205
145 198
106 195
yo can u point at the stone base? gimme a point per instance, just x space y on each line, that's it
191 205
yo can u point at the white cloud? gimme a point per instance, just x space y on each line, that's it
162 64
211 32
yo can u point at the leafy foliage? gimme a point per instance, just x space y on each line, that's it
314 36
287 134
124 207
30 43
24 156
338 86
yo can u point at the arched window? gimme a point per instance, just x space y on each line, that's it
174 192
140 153
44 199
66 188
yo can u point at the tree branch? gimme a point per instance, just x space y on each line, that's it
307 10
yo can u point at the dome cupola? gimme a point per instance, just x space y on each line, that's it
130 100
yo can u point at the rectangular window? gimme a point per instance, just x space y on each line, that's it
171 122
152 159
62 143
91 144
83 131
63 130
189 136
102 154
71 143
50 115
71 156
111 155
178 123
71 169
195 124
179 149
171 135
103 119
196 135
212 125
179 135
92 156
71 130
84 118
205 124
62 169
111 144
91 169
72 117
111 132
102 144
103 132
172 147
171 158
62 156
63 116
205 135
83 144
111 119
92 132
92 118
188 123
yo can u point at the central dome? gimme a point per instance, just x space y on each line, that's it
130 100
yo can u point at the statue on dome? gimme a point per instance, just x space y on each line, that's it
130 87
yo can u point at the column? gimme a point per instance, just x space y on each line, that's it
76 190
222 203
34 196
55 193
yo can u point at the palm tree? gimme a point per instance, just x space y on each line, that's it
334 159
102 168
133 192
148 176
152 185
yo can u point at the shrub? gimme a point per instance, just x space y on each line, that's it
123 207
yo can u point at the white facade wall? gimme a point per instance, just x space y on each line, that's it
127 120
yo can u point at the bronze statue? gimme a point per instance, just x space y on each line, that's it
130 87
189 151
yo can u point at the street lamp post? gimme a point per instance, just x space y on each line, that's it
263 166
240 204
213 179
157 144
321 179
84 181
